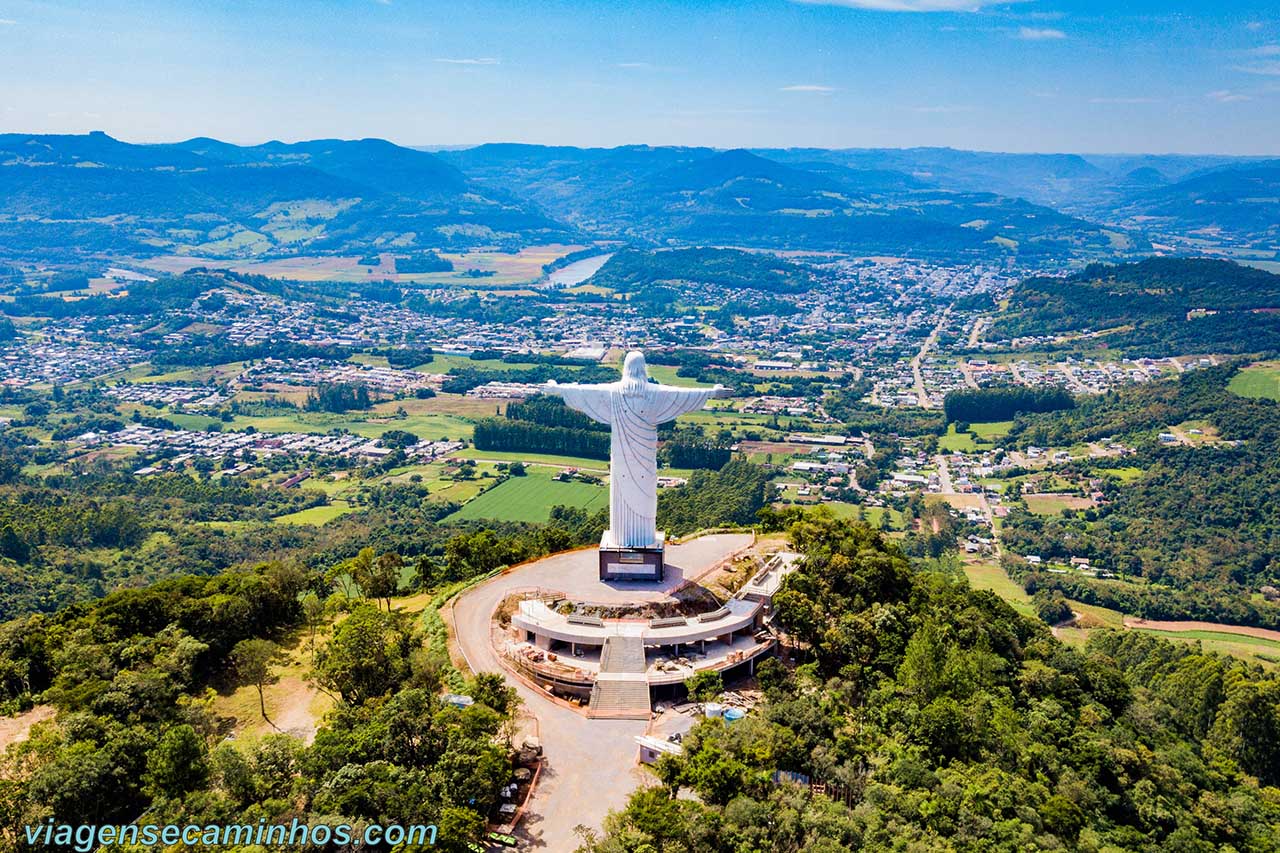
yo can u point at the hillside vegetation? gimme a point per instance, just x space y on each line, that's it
1199 525
1162 306
633 269
934 717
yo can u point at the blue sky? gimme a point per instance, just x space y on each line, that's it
1035 75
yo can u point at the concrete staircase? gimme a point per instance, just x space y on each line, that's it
622 654
621 690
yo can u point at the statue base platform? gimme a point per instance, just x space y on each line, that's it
622 563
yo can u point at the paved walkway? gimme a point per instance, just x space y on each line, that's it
590 766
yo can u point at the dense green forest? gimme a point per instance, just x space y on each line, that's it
936 718
131 674
1160 306
132 677
423 262
1202 520
732 495
1003 402
527 437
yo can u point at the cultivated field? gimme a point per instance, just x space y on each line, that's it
507 268
530 498
1258 380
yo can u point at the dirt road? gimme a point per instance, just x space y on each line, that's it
1216 627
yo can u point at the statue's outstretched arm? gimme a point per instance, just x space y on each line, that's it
669 402
592 400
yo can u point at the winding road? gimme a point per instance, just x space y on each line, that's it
590 767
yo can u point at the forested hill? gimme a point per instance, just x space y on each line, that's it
632 269
936 718
1199 525
1241 199
1159 306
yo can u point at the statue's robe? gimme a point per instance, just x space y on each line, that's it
633 411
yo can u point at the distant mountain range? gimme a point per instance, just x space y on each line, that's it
86 194
63 197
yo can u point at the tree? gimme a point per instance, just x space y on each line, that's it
234 774
1052 607
367 657
1247 730
923 666
489 688
252 659
704 686
313 611
384 579
177 764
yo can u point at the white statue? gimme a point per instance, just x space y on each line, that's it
633 407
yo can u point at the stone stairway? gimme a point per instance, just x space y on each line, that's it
621 689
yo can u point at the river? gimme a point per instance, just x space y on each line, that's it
578 271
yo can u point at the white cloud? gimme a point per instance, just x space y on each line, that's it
1226 96
808 87
7 22
1266 50
911 5
1269 69
1124 100
1038 34
481 61
1253 26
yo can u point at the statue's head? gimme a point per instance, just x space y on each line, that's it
634 372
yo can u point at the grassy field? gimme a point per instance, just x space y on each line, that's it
443 363
190 421
530 498
1258 380
957 442
987 574
980 435
370 424
316 515
1053 504
872 514
595 465
1258 649
991 430
959 501
667 376
197 375
1126 474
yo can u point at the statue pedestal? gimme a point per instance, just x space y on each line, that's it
621 563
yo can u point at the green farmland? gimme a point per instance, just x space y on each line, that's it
530 498
1259 380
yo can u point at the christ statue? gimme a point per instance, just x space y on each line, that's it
633 407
